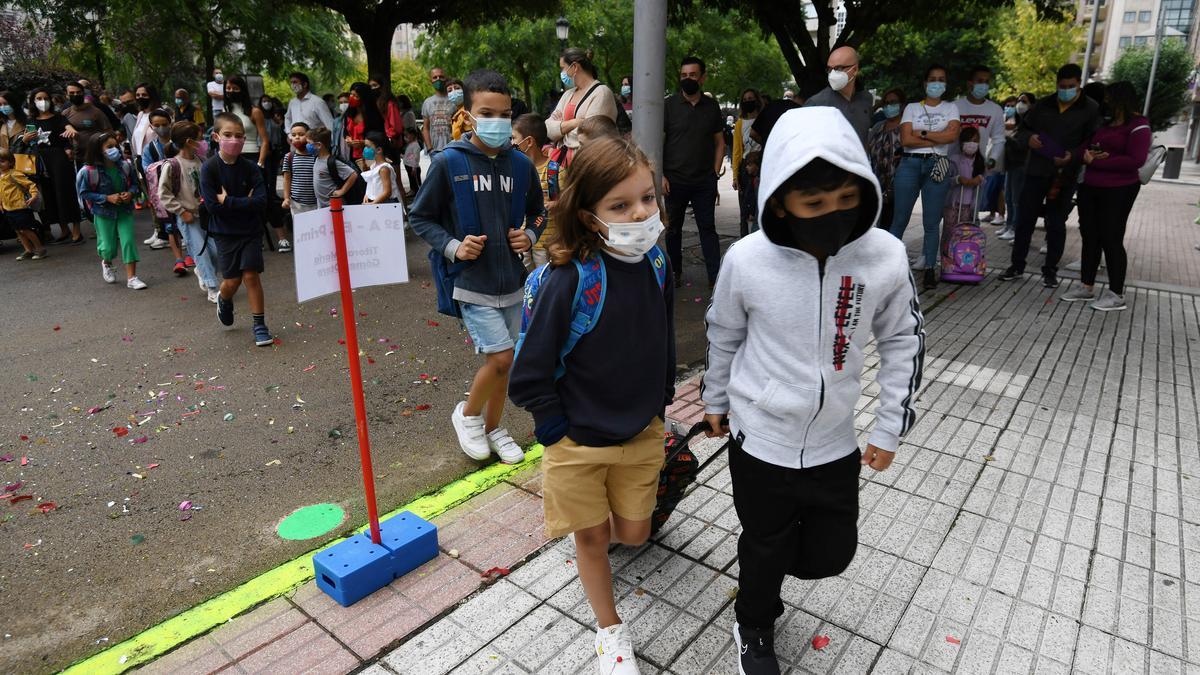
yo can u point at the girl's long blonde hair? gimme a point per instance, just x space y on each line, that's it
595 169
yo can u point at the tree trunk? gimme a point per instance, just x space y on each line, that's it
98 52
377 41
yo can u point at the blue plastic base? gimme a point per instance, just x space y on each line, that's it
355 568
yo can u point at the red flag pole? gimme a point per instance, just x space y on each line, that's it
360 406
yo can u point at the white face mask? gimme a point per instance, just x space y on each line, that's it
42 104
1022 108
633 239
969 148
343 107
838 80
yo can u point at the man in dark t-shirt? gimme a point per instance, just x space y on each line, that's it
692 155
86 118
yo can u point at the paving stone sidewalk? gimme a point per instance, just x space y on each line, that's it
1043 515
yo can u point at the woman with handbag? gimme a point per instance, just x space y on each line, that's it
584 97
51 142
928 129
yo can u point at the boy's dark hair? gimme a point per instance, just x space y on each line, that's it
302 125
583 57
975 70
533 126
227 118
76 84
321 135
302 77
184 131
688 60
95 148
159 112
1070 71
481 81
820 175
598 126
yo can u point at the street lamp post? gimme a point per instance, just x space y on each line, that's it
562 28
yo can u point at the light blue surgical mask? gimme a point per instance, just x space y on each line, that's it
1067 94
455 96
935 89
369 154
179 102
310 148
495 132
5 110
626 90
980 90
891 111
113 154
567 80
1009 112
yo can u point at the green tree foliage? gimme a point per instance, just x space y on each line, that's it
120 42
1171 94
1031 47
899 54
527 51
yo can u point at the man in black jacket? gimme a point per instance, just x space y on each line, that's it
1055 131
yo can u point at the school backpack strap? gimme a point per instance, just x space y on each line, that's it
533 283
590 292
445 271
658 261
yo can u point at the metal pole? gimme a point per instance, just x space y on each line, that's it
649 60
1091 40
1154 64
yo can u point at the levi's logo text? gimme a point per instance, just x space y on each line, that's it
846 316
975 120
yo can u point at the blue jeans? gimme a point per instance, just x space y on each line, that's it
912 178
206 264
1012 194
492 329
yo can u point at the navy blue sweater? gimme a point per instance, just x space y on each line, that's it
619 376
245 196
496 277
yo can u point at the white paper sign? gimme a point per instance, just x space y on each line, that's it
374 246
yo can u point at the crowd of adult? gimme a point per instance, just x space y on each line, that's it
1035 151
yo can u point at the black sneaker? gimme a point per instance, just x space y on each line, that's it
1011 274
1050 280
756 651
678 280
225 311
930 281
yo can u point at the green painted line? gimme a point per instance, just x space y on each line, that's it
158 640
310 522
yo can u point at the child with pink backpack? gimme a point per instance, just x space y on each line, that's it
963 240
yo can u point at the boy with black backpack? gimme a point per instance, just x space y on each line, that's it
471 207
331 176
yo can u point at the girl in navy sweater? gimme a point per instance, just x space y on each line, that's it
598 408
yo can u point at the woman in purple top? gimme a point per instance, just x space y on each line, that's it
1110 186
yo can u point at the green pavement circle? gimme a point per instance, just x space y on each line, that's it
312 521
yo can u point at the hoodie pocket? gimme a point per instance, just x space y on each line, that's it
785 412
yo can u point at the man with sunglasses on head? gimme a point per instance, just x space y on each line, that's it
843 92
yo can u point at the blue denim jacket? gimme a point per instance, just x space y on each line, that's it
93 186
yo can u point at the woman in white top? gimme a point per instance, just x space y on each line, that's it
585 97
380 175
928 128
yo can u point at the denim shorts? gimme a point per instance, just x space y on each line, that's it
492 329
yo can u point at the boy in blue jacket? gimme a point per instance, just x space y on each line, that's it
489 288
235 196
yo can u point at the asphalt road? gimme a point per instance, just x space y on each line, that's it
222 428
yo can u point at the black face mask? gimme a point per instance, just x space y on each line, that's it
825 234
76 99
143 103
749 107
689 86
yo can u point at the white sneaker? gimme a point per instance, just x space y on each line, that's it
135 283
213 294
1043 249
1075 266
1000 219
107 273
614 651
157 243
151 239
1008 234
1080 294
502 443
471 437
285 246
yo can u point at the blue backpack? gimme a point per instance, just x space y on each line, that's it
462 182
588 302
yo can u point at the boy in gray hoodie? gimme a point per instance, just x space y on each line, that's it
794 309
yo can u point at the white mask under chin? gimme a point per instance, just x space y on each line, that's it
633 239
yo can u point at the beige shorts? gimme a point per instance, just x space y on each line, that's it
581 485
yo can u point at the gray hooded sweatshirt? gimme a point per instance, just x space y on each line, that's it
786 339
